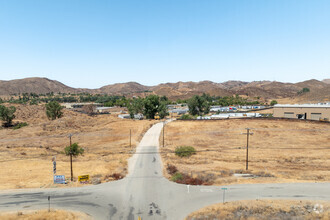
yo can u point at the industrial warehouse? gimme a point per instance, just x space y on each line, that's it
320 111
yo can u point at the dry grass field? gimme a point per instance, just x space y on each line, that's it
264 210
26 153
279 150
44 214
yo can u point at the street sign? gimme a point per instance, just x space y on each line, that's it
224 188
59 179
83 178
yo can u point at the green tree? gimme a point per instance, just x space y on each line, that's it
7 115
163 99
162 110
73 151
198 105
54 110
206 107
151 104
304 90
135 106
273 102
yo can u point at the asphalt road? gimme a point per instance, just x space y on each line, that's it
147 194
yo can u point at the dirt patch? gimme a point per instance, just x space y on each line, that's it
44 214
26 154
264 210
279 150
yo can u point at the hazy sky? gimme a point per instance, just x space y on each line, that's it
94 43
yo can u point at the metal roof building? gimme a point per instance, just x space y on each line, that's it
320 111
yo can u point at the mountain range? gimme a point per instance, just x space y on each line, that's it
266 90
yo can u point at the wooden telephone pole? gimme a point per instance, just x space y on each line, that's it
70 135
248 133
163 133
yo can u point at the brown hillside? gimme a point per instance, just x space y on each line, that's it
187 89
327 81
312 84
124 88
266 90
35 85
233 84
319 91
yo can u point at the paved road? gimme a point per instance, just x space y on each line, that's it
147 194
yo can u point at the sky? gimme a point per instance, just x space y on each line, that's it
89 44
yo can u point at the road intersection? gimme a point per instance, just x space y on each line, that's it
147 194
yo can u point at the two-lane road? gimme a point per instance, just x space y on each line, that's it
147 194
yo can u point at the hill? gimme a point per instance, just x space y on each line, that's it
182 90
124 88
264 90
326 81
34 85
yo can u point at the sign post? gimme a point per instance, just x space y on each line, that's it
224 192
54 167
48 203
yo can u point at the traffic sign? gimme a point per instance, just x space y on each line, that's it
83 178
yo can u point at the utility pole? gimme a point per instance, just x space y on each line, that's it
70 135
163 133
130 138
248 133
48 203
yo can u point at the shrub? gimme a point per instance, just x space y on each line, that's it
54 110
273 102
185 151
20 125
117 176
304 90
186 117
177 176
171 169
186 179
7 115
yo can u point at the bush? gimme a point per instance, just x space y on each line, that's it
186 179
273 102
7 115
171 169
186 117
54 110
20 125
176 177
117 176
304 90
185 151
